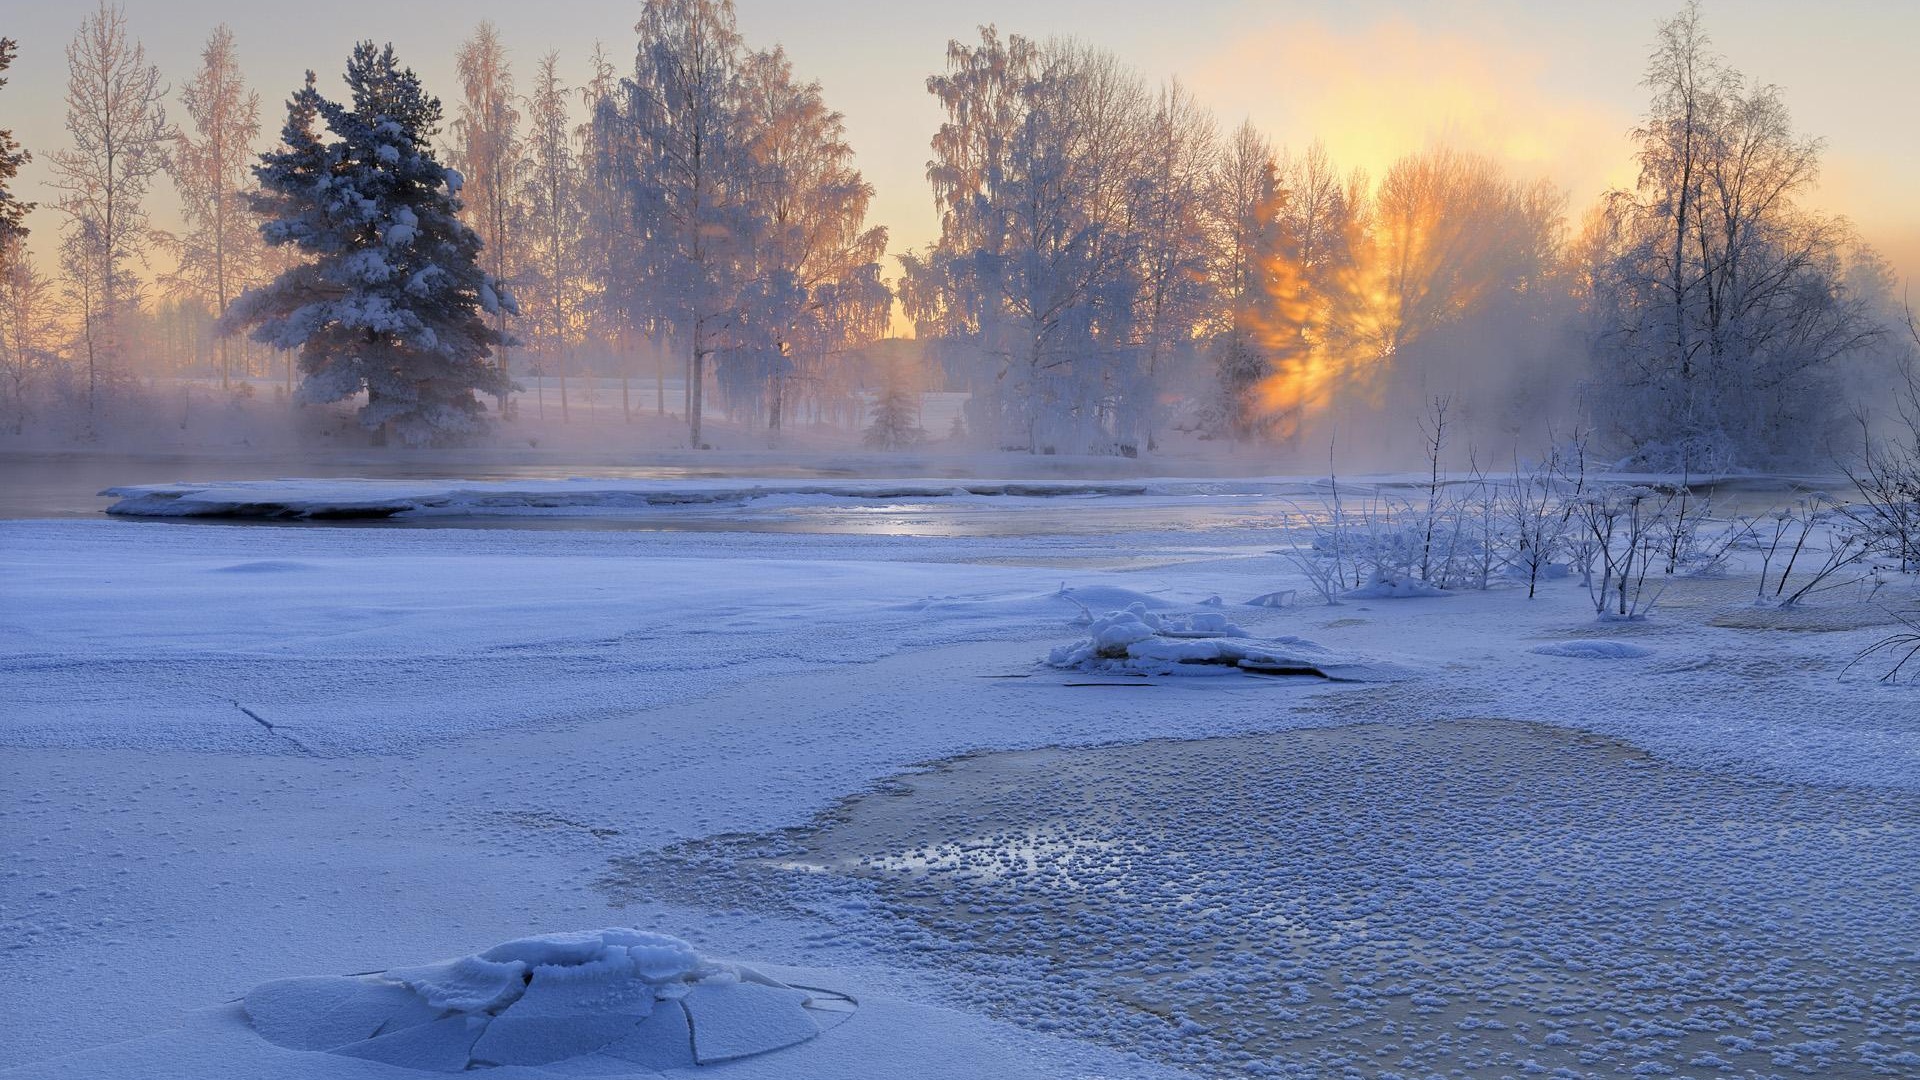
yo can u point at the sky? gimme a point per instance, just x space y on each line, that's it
1550 86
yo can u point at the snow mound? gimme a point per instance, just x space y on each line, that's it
1587 649
628 999
1139 642
1111 597
1281 599
1406 588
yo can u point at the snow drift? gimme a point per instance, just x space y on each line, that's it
630 999
1140 642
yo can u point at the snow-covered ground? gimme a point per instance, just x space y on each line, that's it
238 753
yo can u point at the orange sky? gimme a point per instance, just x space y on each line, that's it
1551 86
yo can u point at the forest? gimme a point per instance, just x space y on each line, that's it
1116 272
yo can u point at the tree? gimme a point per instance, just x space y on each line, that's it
551 194
392 299
29 319
687 182
608 165
896 412
220 254
815 290
1247 202
1038 272
21 286
1719 302
1373 298
120 139
488 154
13 212
1171 207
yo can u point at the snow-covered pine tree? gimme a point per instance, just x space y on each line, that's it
392 300
12 211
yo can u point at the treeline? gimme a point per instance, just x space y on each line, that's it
700 210
1102 243
1113 268
1104 246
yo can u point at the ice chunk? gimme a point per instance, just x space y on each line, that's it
540 1000
743 1019
661 1041
469 984
445 1045
513 1039
299 1013
1113 634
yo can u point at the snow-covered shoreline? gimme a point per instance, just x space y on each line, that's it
304 499
335 498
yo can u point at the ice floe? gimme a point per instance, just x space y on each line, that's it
627 998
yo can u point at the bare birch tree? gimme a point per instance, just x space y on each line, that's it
117 117
552 197
487 152
220 255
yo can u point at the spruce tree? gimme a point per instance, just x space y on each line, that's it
391 300
13 212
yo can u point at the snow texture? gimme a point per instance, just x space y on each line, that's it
1587 649
235 754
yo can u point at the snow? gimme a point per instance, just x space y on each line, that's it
1139 642
239 753
1393 589
1586 649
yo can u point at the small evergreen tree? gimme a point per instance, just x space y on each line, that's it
392 300
896 414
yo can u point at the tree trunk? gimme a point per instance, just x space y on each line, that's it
696 379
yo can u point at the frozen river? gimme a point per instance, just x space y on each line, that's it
239 751
72 485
